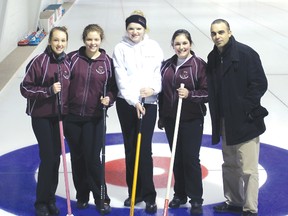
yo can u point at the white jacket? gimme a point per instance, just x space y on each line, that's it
137 66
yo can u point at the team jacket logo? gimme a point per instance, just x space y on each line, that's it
66 74
100 70
184 75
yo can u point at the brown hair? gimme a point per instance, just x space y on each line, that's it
91 28
179 32
59 28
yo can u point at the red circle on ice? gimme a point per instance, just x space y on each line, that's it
116 174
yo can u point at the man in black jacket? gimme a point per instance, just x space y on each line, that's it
236 83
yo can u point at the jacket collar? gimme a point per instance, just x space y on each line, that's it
174 59
82 54
229 55
54 58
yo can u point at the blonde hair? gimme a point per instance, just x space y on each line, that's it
140 13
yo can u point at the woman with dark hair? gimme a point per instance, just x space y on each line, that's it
184 67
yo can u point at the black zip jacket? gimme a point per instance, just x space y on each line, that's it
236 83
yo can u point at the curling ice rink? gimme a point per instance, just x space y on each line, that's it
262 24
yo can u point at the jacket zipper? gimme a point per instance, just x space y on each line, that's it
86 89
60 93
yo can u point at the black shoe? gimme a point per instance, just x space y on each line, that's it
81 205
41 210
107 200
127 202
53 210
151 208
224 207
176 202
196 208
106 209
248 213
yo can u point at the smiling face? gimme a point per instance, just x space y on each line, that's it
135 32
58 41
220 34
92 42
182 46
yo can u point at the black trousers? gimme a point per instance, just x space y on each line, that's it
47 134
85 140
187 168
129 124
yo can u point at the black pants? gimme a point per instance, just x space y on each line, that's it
187 168
85 140
129 124
47 134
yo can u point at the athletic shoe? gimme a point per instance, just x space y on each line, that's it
81 205
176 202
41 210
196 209
105 210
37 38
224 207
127 202
25 41
53 210
151 208
107 199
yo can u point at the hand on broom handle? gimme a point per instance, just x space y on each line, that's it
69 211
136 166
175 136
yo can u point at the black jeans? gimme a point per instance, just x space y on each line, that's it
47 134
129 124
85 140
187 168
